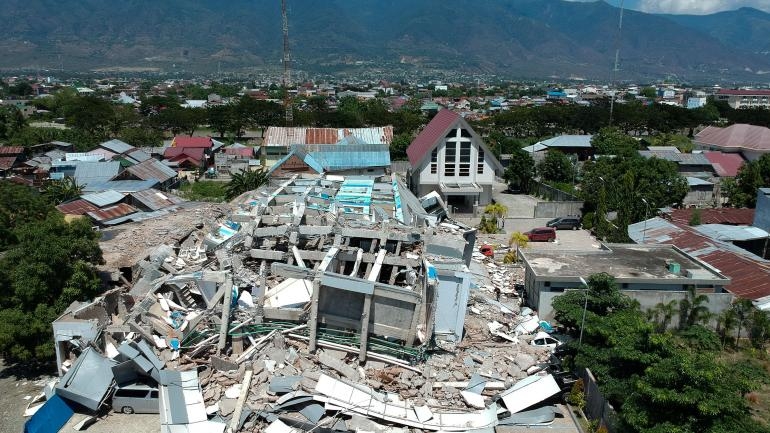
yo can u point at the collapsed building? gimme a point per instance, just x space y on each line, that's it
319 301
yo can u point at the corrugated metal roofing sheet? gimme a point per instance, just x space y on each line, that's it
77 207
738 136
124 186
11 150
677 157
154 199
568 141
116 146
137 155
725 164
724 232
194 142
95 172
284 136
749 274
112 212
152 169
104 198
725 215
6 162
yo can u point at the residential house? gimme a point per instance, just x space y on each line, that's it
749 140
349 156
279 140
744 98
578 145
151 169
10 156
695 167
185 158
749 274
449 157
89 172
234 158
650 274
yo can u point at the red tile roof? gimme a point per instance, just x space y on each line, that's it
11 150
725 164
740 92
194 142
77 207
430 135
725 215
738 136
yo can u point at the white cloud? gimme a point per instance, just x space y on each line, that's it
698 7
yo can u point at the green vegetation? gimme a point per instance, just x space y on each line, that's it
631 185
752 175
204 190
46 264
659 379
520 171
556 167
245 181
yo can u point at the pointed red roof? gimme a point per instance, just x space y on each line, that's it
430 135
725 164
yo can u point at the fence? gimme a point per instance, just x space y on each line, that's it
597 407
553 209
550 193
400 166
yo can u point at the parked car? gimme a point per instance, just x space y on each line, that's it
543 339
541 234
571 223
136 397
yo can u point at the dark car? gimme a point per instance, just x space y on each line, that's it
572 223
542 234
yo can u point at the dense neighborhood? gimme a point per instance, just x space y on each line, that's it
182 256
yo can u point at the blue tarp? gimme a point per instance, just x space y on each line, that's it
50 418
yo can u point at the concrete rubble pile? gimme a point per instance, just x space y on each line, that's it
324 303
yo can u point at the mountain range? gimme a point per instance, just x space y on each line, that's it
511 38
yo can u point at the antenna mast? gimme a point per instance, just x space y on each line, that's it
615 65
286 65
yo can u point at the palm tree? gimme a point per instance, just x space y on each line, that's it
692 309
60 191
726 322
663 313
496 209
245 181
742 310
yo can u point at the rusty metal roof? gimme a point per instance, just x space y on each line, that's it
7 162
154 199
112 212
152 169
738 136
11 150
749 274
725 215
284 136
77 207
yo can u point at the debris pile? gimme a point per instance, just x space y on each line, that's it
316 303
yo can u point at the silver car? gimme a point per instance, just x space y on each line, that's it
135 398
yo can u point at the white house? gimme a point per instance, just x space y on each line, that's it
450 158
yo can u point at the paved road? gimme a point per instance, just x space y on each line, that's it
15 384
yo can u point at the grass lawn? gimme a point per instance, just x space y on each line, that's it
204 190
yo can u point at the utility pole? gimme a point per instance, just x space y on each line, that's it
615 65
286 65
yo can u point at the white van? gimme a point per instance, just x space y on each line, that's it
136 397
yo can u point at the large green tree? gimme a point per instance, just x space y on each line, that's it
520 170
752 176
48 264
613 141
556 167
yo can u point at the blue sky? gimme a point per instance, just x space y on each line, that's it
697 7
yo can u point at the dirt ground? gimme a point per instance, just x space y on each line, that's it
16 384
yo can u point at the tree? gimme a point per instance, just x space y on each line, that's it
520 170
11 121
51 266
245 181
663 313
751 176
496 209
695 218
556 167
398 147
613 141
60 191
91 114
693 309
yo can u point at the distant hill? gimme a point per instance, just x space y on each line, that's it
745 28
514 38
